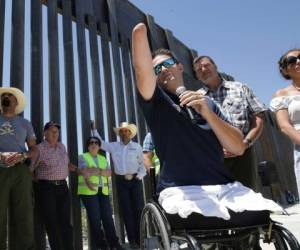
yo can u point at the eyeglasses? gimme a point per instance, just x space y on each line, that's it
94 142
291 60
166 63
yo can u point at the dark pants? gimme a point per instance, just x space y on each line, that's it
16 194
130 195
54 202
99 210
243 169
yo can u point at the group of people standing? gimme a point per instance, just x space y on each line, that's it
46 174
227 121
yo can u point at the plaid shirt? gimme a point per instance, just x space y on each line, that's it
52 162
148 145
237 101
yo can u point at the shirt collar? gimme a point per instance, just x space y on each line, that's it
124 144
224 84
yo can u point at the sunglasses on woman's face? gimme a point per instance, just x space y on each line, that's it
168 63
292 60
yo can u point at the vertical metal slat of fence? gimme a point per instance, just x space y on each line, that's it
127 79
96 75
2 18
141 123
152 31
54 89
71 118
193 53
16 71
17 47
98 109
83 77
113 25
37 116
110 116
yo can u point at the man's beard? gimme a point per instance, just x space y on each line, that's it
5 102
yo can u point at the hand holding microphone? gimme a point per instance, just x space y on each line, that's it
193 101
179 91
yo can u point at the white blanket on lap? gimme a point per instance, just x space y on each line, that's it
214 200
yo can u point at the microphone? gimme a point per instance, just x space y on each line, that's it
190 112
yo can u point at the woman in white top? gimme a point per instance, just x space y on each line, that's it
286 104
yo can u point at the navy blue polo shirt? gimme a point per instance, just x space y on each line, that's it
190 154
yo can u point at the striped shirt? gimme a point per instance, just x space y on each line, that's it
148 145
237 101
51 162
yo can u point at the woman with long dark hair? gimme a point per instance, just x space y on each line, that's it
286 104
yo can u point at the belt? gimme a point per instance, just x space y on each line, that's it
127 177
53 182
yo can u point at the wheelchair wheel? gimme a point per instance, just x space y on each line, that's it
153 230
281 239
287 238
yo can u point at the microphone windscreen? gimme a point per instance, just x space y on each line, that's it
180 90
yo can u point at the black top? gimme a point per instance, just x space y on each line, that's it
190 154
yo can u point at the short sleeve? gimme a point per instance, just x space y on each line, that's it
81 162
148 144
255 105
277 103
30 132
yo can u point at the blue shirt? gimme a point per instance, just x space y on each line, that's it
190 154
14 132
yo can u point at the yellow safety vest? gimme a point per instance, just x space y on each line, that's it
82 187
155 163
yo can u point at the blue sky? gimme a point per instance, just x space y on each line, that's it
246 38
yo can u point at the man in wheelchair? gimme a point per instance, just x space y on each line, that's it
189 133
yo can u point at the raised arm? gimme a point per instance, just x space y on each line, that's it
107 146
142 62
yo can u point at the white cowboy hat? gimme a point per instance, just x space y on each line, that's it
131 127
19 96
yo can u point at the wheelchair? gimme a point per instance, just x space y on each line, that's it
244 231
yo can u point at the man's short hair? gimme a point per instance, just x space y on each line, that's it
199 58
166 52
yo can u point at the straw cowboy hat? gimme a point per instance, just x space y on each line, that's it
128 126
19 96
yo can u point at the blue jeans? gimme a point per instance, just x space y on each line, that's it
130 195
99 211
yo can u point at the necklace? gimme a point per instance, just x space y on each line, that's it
298 88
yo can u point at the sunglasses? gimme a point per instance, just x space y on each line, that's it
94 142
166 63
291 60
